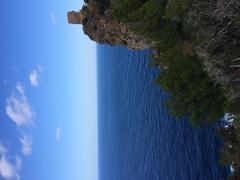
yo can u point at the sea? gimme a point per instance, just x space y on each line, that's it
138 138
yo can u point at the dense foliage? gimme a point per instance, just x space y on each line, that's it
155 19
193 94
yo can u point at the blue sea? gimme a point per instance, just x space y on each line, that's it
138 138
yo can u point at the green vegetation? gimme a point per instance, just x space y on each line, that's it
177 27
230 152
193 94
154 19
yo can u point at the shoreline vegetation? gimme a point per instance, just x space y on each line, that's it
198 51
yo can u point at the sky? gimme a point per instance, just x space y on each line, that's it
48 99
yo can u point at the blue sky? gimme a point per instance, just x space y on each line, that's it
48 100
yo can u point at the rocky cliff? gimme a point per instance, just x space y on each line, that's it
99 24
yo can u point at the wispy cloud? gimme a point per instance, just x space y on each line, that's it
18 108
20 88
53 18
34 75
26 142
58 134
18 163
8 169
39 68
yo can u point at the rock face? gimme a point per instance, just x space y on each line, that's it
102 28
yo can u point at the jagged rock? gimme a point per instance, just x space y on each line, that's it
102 28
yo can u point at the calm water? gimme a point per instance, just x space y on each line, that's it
138 139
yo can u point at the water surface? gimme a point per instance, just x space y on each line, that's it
138 139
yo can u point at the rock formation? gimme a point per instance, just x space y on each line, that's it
102 28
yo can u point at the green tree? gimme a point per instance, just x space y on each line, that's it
193 95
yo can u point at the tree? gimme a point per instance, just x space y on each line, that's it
193 94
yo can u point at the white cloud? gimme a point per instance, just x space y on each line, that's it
53 18
9 170
34 75
58 134
6 168
26 142
18 108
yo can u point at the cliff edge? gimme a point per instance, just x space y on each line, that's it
99 24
